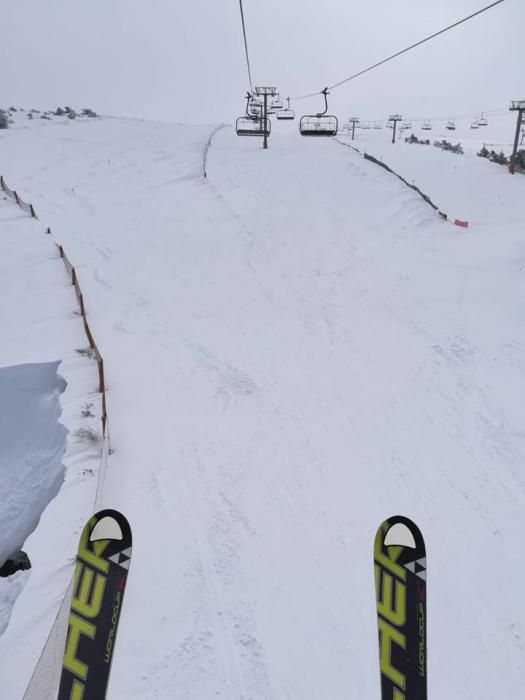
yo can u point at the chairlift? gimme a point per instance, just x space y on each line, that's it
250 126
378 125
426 126
474 125
287 113
482 121
407 125
321 124
277 104
254 107
451 125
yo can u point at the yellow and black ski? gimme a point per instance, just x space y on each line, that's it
400 579
103 559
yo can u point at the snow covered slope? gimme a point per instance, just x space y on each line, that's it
464 186
296 348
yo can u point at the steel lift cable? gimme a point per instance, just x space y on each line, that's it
399 53
246 46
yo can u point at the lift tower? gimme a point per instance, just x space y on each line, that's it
265 92
519 107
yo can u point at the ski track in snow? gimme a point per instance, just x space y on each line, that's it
296 348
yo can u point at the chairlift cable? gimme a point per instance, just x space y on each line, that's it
246 46
470 115
399 53
458 117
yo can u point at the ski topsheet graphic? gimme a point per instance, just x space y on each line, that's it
400 579
103 559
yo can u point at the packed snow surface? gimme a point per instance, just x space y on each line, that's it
296 348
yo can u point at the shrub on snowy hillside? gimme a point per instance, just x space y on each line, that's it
4 119
414 139
447 146
501 159
494 157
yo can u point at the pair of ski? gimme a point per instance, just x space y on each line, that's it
101 570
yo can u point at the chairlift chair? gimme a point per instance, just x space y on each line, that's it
254 107
321 124
426 126
277 104
287 113
482 121
407 125
474 125
318 126
451 125
250 126
378 125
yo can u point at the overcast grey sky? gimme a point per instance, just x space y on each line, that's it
183 60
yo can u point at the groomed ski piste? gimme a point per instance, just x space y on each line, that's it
296 347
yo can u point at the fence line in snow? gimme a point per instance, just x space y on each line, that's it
28 208
207 148
89 335
425 197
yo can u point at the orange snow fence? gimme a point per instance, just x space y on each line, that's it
93 346
29 209
463 224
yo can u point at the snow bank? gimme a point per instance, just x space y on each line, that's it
33 443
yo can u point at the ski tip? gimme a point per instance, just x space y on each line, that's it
400 531
400 535
106 529
109 524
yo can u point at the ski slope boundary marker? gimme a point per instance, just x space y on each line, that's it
457 222
29 209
